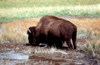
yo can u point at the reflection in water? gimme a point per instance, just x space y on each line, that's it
20 56
45 59
13 55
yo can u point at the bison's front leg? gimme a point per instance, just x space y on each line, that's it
58 44
33 42
49 44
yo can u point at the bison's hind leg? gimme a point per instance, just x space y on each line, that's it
68 41
74 38
74 42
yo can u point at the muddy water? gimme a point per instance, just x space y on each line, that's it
20 54
13 55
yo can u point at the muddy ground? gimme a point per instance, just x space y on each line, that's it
24 54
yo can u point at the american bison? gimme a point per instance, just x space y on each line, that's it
31 36
53 30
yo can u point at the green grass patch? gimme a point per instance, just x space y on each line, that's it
41 3
93 48
10 10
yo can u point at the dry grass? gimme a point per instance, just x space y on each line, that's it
17 30
24 0
92 26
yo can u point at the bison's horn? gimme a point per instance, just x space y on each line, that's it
29 31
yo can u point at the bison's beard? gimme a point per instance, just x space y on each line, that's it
33 41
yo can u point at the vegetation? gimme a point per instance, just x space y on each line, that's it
93 48
16 32
18 28
91 31
15 10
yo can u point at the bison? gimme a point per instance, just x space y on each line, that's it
52 31
31 36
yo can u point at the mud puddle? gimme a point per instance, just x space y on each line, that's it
14 58
22 54
13 55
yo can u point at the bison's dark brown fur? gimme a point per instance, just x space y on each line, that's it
53 30
31 35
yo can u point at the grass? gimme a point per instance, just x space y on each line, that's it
40 3
89 28
89 25
94 48
10 11
16 31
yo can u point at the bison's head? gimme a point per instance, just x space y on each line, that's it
31 36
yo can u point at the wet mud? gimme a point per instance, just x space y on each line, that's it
22 53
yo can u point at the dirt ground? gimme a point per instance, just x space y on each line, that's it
25 54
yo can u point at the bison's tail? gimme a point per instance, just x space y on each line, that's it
74 37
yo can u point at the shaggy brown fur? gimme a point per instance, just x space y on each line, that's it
31 35
53 30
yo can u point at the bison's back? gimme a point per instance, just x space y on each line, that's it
54 26
55 30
